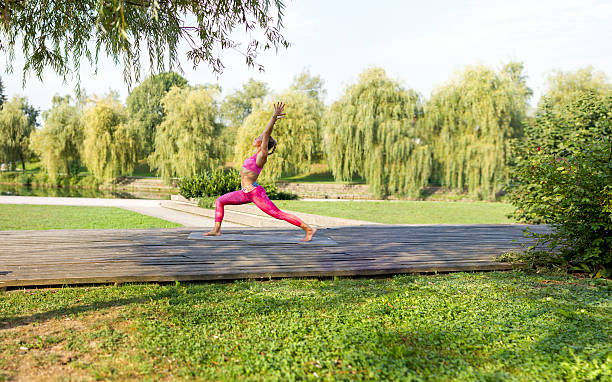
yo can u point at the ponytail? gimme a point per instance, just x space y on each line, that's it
272 145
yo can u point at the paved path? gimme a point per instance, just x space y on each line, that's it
142 206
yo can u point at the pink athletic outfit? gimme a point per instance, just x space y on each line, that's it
256 195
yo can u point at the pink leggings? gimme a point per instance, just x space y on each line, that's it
257 196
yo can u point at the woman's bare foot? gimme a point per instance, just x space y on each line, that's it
309 233
213 233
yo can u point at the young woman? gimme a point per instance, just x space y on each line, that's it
253 192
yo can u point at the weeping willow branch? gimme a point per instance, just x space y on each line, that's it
59 34
375 131
471 121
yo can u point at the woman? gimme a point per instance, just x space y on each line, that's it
253 192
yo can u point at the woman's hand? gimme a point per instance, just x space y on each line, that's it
278 110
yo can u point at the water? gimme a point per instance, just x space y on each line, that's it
81 193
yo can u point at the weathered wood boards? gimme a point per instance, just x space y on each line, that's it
99 256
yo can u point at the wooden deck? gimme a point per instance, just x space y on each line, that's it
57 257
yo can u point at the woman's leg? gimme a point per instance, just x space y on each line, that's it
235 197
262 201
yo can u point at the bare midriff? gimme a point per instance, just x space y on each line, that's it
247 177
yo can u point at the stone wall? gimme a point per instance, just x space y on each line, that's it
327 191
303 190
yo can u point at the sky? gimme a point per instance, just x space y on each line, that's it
421 44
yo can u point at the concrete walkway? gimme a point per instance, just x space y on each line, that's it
142 206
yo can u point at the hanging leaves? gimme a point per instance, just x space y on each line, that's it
375 131
111 145
59 34
145 108
298 134
17 121
187 141
59 142
471 121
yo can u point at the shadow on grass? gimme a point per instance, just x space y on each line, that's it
368 324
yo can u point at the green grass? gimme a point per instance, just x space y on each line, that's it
498 326
142 169
23 217
406 212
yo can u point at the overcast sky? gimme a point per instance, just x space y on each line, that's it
421 44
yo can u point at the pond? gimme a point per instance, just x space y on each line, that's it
81 193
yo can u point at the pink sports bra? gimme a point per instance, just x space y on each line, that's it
251 164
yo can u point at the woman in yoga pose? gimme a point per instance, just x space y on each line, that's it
253 192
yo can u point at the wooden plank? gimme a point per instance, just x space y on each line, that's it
256 275
92 256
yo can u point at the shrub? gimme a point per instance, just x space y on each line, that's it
574 195
25 179
212 184
273 192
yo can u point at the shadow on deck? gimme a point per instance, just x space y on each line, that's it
57 257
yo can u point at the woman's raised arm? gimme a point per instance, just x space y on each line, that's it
265 136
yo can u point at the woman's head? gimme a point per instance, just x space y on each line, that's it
271 144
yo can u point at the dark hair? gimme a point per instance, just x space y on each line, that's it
272 145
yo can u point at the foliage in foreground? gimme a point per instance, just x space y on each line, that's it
563 177
456 327
124 29
574 195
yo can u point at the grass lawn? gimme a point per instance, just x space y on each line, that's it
22 217
496 326
407 212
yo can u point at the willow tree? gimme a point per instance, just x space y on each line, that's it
2 95
562 86
236 108
472 120
15 129
298 134
187 141
145 108
60 34
58 143
374 131
111 144
310 84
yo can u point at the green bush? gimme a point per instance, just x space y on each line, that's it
574 195
273 192
212 184
9 177
25 179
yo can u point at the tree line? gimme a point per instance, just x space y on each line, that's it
465 137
